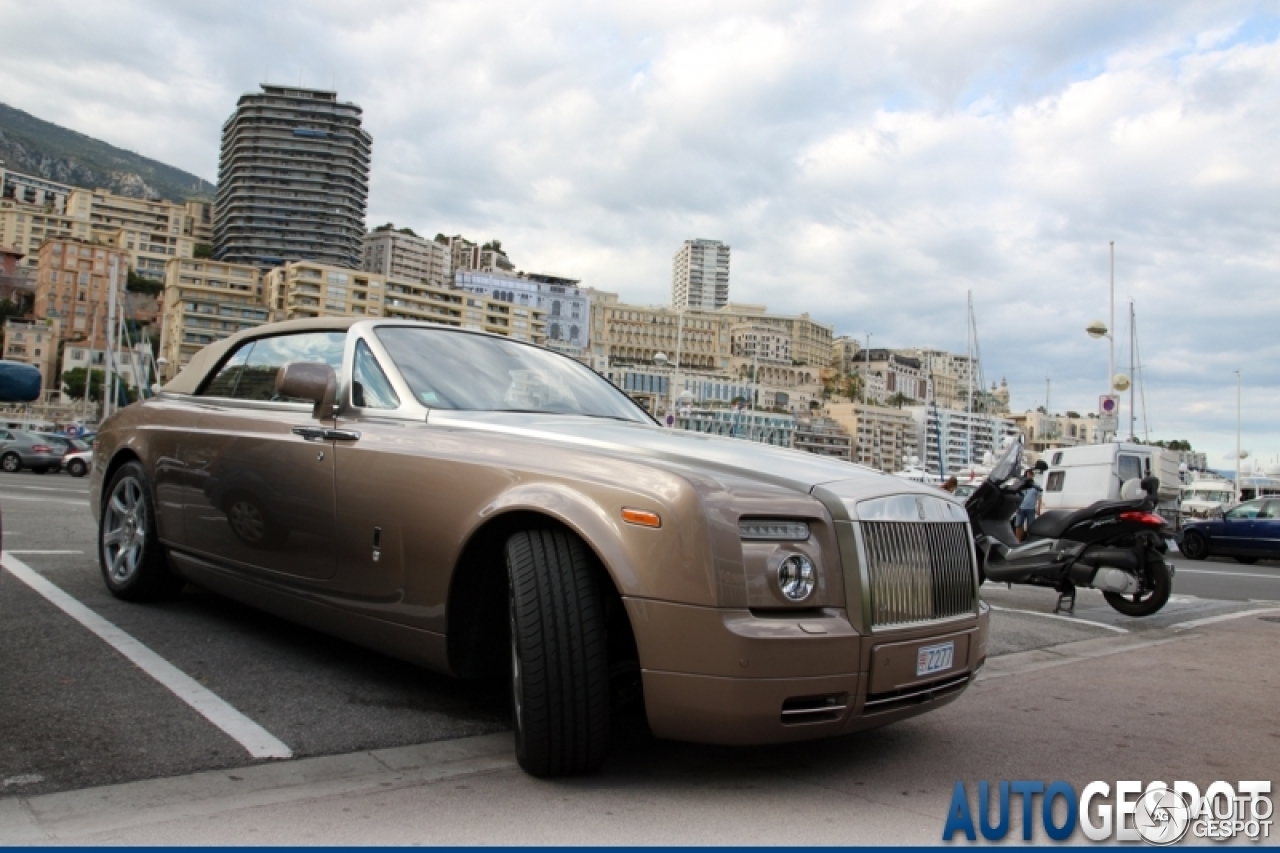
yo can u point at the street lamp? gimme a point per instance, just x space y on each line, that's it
1098 329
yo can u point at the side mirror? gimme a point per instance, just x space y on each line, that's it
311 381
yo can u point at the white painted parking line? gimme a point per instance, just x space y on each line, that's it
1229 574
1073 620
29 499
1225 617
44 552
73 491
258 741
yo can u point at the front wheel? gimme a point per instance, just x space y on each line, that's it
1157 585
11 463
129 551
559 663
77 468
1194 546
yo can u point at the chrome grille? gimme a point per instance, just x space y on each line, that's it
918 571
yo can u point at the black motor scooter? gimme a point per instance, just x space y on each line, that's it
1117 547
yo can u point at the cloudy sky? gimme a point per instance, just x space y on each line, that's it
869 163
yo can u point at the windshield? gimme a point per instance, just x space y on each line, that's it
1009 462
459 370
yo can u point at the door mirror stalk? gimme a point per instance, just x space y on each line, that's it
312 381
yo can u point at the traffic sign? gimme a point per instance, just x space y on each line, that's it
1108 404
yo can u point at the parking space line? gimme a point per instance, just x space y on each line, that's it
30 499
44 552
258 741
1072 619
1228 574
1224 617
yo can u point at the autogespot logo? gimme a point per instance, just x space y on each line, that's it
1159 814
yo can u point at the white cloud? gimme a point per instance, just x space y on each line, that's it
869 163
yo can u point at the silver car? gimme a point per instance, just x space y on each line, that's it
19 449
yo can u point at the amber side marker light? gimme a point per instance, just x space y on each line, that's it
644 518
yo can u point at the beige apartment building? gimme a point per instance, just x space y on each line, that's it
206 301
151 232
634 334
72 286
198 222
25 227
400 255
811 341
34 343
306 289
882 437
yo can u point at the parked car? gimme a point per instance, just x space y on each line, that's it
78 462
64 444
20 449
486 507
1248 532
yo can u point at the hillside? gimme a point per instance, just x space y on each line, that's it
37 147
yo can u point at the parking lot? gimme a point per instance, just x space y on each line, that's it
76 713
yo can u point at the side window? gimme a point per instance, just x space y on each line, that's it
1271 509
223 383
255 376
369 386
1057 458
1244 512
1130 468
1054 483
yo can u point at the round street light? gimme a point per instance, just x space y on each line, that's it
1097 329
1121 382
660 359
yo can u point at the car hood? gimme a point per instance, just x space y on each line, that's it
711 453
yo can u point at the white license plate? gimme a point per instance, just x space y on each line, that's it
935 658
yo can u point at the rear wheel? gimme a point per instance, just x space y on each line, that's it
1154 594
129 552
11 462
77 468
559 661
1194 546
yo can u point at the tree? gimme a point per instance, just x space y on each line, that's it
135 283
73 382
202 251
495 245
440 238
898 400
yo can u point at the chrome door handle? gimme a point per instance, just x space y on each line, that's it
311 433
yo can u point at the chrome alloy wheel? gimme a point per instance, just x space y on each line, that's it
124 530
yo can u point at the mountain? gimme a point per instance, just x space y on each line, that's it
37 147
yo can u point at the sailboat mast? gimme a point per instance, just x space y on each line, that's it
1133 377
968 449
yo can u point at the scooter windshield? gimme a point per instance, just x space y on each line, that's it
1009 463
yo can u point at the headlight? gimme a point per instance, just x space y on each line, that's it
796 577
773 530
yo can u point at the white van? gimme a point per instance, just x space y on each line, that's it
1079 476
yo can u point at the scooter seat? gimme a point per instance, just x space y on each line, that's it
1051 524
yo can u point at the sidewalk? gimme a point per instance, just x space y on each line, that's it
1196 705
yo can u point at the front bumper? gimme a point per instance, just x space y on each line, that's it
733 677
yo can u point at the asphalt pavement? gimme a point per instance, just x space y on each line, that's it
75 714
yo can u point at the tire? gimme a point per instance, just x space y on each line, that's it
1248 561
77 468
1194 546
1149 601
129 551
11 463
252 523
559 662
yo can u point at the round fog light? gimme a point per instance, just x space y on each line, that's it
796 577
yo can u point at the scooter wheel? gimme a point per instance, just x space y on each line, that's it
1150 600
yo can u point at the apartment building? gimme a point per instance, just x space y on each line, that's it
634 334
810 340
25 227
881 437
846 352
904 375
36 344
1046 432
759 343
150 232
567 306
72 285
307 289
206 301
403 254
700 276
293 180
198 222
47 195
823 436
951 440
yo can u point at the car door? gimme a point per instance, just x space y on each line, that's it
262 490
1266 536
1237 529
